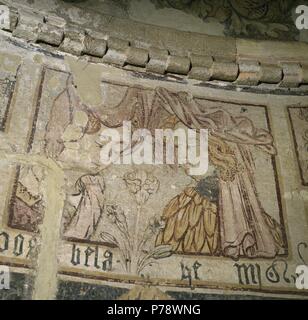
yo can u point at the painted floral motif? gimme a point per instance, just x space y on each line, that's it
251 18
142 185
137 246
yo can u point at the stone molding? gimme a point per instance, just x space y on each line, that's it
242 62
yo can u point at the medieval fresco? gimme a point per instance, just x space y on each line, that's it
123 231
198 215
128 221
20 198
299 121
7 83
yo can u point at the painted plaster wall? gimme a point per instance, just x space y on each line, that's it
266 20
62 213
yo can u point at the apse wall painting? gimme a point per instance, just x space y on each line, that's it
123 223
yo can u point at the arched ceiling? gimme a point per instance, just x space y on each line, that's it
249 19
257 19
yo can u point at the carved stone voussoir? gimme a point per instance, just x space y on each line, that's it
270 73
242 61
304 73
180 65
158 60
14 16
73 42
94 47
292 75
201 67
137 56
28 26
227 71
50 34
249 72
117 51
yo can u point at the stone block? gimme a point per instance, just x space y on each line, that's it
50 34
249 73
227 71
158 60
117 51
292 75
270 73
137 56
94 47
177 64
201 67
73 41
